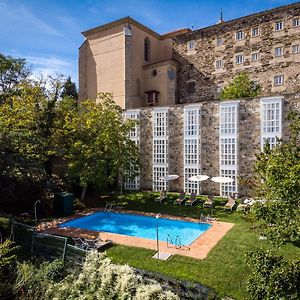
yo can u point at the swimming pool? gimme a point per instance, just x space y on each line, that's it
139 226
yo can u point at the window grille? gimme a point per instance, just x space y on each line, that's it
271 120
228 145
134 135
160 148
191 153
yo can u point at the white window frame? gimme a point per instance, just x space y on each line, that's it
255 56
228 145
160 148
239 59
271 114
278 80
279 25
191 45
296 22
240 35
134 135
255 32
219 41
219 64
191 147
278 51
295 49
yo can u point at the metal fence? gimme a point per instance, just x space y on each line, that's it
45 245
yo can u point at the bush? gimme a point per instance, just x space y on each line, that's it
7 266
271 277
100 279
32 281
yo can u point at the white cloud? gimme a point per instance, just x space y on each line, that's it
53 66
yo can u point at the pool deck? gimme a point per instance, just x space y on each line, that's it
199 249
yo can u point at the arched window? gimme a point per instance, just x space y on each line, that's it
147 49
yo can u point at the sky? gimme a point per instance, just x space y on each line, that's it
47 33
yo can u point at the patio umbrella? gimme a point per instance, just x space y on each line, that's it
220 179
198 178
169 177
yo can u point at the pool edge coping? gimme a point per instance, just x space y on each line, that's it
199 248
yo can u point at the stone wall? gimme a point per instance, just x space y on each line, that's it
200 64
249 141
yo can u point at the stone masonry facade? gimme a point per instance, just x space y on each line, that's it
249 141
267 44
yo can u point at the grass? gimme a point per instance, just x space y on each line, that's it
224 269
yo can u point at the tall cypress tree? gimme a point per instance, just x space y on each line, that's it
69 89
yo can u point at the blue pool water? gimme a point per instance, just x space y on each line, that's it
139 226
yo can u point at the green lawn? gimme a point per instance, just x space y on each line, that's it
223 270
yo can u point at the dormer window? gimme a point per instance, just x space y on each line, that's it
147 49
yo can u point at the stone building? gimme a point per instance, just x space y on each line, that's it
170 83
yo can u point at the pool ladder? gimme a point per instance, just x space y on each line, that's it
109 206
176 242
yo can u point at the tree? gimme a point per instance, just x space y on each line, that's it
240 87
96 142
69 89
13 71
278 172
26 123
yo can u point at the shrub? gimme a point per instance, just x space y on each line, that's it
7 265
32 281
100 279
271 277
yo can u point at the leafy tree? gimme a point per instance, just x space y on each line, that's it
240 87
96 142
13 71
26 122
69 89
271 277
278 172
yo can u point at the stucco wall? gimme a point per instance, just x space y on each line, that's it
159 50
102 65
